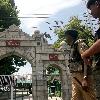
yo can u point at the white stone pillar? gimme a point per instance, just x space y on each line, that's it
39 83
66 86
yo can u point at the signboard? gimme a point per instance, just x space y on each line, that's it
13 43
53 57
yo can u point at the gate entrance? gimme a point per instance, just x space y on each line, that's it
54 82
36 50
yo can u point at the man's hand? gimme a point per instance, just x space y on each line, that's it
87 61
85 84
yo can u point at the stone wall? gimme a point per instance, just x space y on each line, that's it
40 54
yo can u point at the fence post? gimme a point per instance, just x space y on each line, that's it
12 84
11 92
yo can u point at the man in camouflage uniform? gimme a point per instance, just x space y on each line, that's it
94 50
82 88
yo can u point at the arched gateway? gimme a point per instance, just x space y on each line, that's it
40 54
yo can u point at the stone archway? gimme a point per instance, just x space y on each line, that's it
35 49
65 77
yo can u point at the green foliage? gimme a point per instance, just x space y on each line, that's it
51 70
8 14
58 93
52 73
11 64
74 23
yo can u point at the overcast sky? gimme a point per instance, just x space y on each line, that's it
59 10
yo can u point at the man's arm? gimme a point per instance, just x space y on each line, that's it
95 48
82 47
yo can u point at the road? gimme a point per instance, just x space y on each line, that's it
54 98
30 98
25 98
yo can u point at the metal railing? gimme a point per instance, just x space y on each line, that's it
15 87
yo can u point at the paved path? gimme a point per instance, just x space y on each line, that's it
30 98
25 98
54 98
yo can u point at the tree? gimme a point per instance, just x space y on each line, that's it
11 64
54 84
74 23
9 16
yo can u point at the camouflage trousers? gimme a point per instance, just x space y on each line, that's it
77 92
96 77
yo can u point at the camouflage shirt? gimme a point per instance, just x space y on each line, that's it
75 60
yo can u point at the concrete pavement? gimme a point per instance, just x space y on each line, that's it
30 98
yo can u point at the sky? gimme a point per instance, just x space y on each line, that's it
57 10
